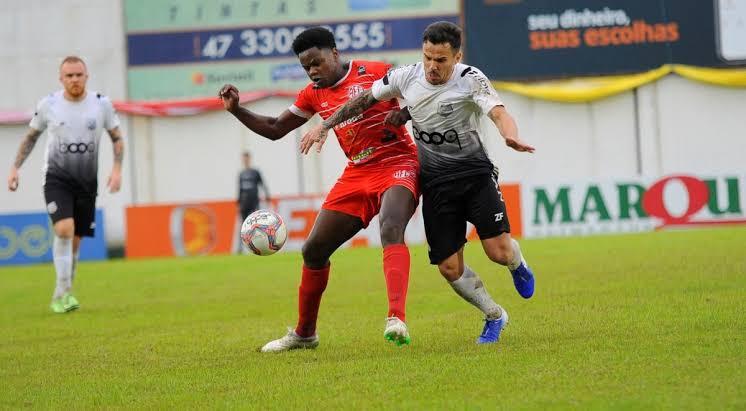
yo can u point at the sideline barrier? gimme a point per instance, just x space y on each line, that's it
26 238
210 228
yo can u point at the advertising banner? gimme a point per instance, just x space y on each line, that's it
27 238
183 49
632 205
212 227
537 39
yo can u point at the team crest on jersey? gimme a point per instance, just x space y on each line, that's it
91 123
354 90
360 70
445 109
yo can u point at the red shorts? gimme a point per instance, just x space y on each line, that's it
359 190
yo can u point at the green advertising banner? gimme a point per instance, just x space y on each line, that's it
180 49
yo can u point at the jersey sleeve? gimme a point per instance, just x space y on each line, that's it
302 106
111 119
484 95
39 120
390 85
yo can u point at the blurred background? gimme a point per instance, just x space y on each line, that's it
636 108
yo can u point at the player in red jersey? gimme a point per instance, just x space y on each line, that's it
381 177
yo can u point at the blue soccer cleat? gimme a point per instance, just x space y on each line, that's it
523 279
492 328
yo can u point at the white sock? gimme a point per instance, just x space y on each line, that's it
517 256
470 287
76 257
62 251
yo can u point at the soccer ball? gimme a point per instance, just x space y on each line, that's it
264 232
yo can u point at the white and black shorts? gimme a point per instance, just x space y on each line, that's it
446 207
66 200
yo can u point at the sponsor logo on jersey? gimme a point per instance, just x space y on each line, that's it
360 70
437 138
361 156
90 124
77 148
348 122
445 109
355 90
52 207
400 174
499 216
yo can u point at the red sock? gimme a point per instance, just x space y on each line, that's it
312 286
396 271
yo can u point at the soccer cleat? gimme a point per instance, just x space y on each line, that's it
57 306
396 331
291 341
70 303
523 277
492 328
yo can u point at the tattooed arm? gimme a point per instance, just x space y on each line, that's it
26 146
355 106
115 179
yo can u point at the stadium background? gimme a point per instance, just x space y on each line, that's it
603 142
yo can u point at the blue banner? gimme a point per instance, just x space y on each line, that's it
27 238
249 43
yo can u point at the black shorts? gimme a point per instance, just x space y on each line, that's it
66 200
247 209
448 206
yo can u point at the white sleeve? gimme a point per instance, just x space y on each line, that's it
484 95
39 120
390 85
111 120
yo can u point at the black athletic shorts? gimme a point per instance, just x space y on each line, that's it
446 208
66 199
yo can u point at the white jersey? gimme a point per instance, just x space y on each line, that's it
73 134
445 118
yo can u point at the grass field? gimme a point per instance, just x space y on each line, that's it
648 321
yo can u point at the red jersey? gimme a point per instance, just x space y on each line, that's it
364 137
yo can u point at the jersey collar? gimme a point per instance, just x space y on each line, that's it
349 69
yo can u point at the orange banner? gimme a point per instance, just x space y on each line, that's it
212 227
186 229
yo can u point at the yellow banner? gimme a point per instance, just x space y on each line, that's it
581 90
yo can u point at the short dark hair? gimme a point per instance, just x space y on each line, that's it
443 32
319 37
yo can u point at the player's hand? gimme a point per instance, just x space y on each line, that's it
115 181
317 136
13 179
229 95
518 145
397 118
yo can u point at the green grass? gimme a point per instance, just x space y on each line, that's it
648 321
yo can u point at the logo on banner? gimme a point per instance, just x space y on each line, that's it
193 230
677 200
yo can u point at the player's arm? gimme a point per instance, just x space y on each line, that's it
353 107
508 129
115 178
24 150
273 128
397 118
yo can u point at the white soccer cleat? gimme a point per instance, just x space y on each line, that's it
396 331
291 341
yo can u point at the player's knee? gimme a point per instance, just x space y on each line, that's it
501 254
449 270
314 255
392 232
64 228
